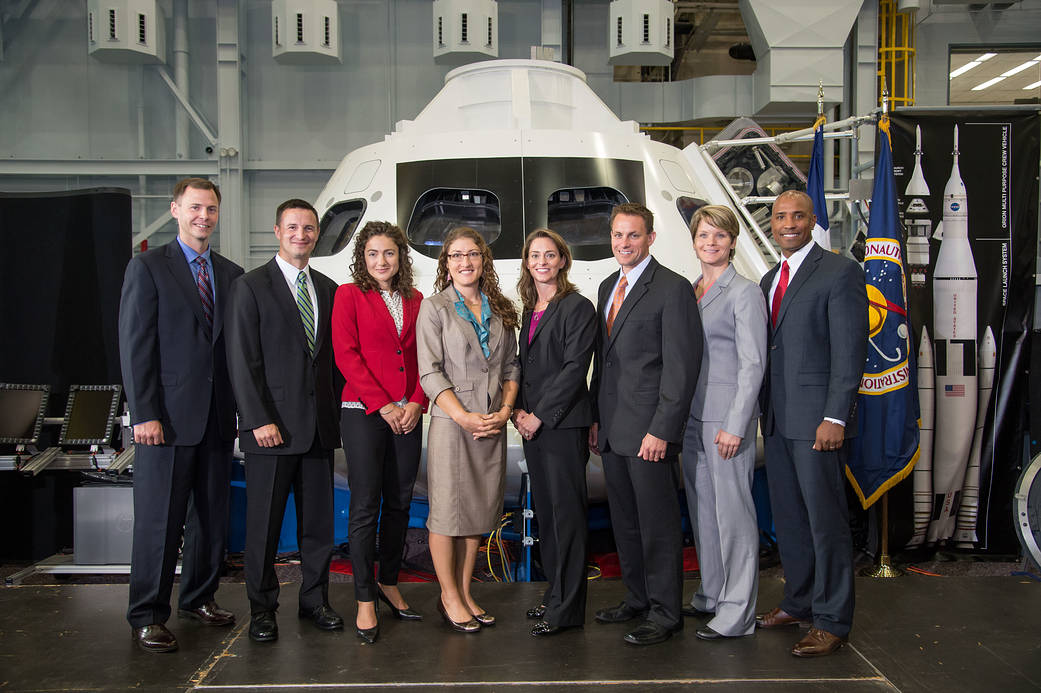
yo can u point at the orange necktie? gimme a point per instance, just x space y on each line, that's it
782 284
619 296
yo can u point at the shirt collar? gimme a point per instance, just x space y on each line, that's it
635 272
796 260
190 253
290 272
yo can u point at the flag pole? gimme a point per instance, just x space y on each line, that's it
885 568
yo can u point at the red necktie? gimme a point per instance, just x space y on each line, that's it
619 296
782 284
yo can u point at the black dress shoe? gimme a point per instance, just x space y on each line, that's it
692 612
706 633
262 627
323 616
155 638
471 626
405 614
537 612
649 633
209 614
618 614
542 628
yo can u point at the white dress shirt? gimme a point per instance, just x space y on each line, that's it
291 273
631 279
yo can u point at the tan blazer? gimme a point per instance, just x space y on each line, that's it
450 356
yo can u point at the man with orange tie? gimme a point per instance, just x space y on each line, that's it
644 373
817 347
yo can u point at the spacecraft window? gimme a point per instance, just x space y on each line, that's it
440 210
338 225
22 408
583 217
687 206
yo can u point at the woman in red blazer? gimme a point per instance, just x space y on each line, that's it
374 340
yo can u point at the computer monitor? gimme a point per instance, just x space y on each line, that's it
22 408
90 414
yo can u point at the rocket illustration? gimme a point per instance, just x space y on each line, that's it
922 476
916 218
954 344
965 528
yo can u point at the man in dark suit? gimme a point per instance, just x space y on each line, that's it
280 356
817 344
644 374
171 347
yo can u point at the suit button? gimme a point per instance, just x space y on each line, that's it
609 364
401 368
399 351
485 369
531 359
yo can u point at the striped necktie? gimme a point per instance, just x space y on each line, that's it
202 281
303 303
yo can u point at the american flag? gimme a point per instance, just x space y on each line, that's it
953 390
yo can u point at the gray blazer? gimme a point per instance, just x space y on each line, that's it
450 356
734 318
817 349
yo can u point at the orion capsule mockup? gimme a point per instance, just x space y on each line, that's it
954 344
965 528
916 218
922 476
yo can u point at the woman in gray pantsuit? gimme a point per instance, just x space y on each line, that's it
720 441
468 367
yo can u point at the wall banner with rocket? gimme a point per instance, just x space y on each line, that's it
886 446
969 205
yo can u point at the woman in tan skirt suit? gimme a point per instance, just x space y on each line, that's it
468 367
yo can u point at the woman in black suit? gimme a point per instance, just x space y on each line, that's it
553 416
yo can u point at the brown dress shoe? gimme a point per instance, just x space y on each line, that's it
817 643
155 638
777 618
209 614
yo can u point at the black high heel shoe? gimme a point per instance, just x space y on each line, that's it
369 636
406 614
471 626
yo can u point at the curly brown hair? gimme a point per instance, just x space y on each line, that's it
489 281
526 283
402 281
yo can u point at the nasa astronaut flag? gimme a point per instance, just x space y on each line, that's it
886 447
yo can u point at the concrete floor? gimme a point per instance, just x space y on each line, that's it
911 634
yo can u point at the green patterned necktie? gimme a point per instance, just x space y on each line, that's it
303 303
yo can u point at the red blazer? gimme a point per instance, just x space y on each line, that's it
379 366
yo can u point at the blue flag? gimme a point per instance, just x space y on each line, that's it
815 189
886 447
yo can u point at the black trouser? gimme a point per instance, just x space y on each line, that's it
178 487
556 460
645 519
381 468
269 479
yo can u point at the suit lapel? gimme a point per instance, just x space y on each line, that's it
806 269
551 310
325 306
633 297
523 341
467 328
222 278
286 303
182 275
379 308
718 287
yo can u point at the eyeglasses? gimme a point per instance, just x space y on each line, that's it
474 255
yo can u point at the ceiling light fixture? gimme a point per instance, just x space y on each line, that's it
1035 85
965 68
